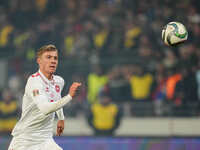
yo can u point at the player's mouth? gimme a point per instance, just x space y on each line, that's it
53 67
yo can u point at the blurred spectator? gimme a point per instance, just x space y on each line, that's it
141 88
159 91
173 77
100 37
104 116
69 41
132 33
185 94
6 33
119 87
8 112
96 80
141 84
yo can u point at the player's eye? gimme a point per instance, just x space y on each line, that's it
55 58
48 56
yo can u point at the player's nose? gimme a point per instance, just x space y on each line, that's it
53 62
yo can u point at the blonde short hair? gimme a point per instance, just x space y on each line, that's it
46 48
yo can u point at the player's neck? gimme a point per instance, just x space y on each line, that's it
49 76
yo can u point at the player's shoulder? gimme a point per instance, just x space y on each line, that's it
33 81
58 79
33 77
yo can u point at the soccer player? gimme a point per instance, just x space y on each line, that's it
42 98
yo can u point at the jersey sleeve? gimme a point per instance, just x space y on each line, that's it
35 90
60 114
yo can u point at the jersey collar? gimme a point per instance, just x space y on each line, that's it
46 81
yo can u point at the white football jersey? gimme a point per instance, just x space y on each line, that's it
33 124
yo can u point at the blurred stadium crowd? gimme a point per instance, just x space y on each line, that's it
114 45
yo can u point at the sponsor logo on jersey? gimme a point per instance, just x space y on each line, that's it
35 92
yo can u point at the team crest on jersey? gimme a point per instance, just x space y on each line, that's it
47 89
57 87
35 92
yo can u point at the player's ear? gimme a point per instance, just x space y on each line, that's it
38 60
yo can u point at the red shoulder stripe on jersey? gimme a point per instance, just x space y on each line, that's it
36 74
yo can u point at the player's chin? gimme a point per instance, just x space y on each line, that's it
52 70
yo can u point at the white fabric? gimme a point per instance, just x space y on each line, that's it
60 114
23 144
36 122
46 107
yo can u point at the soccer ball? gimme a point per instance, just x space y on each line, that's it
174 33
